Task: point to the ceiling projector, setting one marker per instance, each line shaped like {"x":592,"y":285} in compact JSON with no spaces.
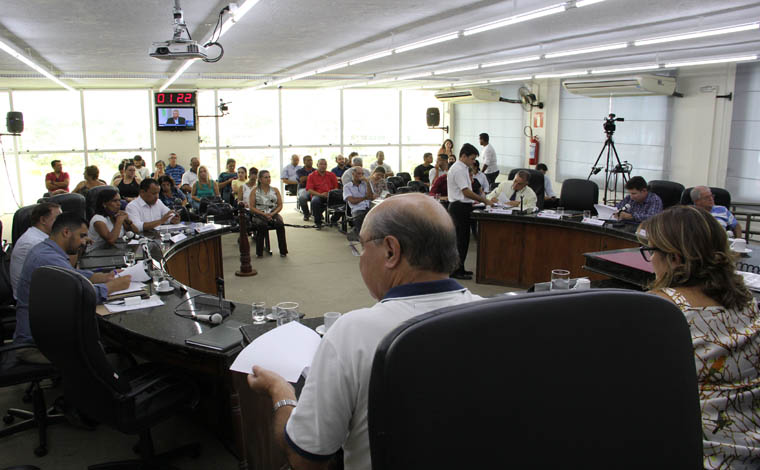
{"x":177,"y":49}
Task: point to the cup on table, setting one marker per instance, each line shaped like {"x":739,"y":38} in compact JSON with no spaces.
{"x":164,"y":285}
{"x":330,"y":318}
{"x":560,"y":211}
{"x":166,"y":236}
{"x":560,"y":279}
{"x":209,"y":219}
{"x":286,"y":312}
{"x":739,"y":245}
{"x":582,"y":283}
{"x":586,"y":214}
{"x":259,"y":312}
{"x":129,"y":258}
{"x":157,"y":276}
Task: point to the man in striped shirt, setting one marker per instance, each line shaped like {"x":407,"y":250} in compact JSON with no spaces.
{"x":702,"y":197}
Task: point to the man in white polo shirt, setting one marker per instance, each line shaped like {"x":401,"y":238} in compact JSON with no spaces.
{"x":146,"y":211}
{"x":490,"y":167}
{"x":357,"y":194}
{"x":407,"y":250}
{"x":461,"y":198}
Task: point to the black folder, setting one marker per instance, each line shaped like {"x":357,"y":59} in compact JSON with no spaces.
{"x":222,"y":337}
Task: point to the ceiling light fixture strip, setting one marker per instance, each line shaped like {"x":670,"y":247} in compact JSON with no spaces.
{"x":531,"y":15}
{"x":26,"y":60}
{"x":698,"y":34}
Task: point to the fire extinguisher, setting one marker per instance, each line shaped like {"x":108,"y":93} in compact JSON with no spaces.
{"x":533,"y":149}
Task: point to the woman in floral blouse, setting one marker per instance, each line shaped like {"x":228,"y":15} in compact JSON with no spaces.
{"x":695,"y":269}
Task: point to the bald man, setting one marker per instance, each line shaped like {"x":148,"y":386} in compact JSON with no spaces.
{"x":407,"y":248}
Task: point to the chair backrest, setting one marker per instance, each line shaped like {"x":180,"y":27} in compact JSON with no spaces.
{"x":538,"y":380}
{"x":391,"y":186}
{"x":720,"y":196}
{"x":91,"y":199}
{"x":22,"y":220}
{"x":536,"y":183}
{"x":6,"y":290}
{"x":396,"y":180}
{"x":64,"y":326}
{"x":335,"y":197}
{"x":578,"y":194}
{"x":418,"y":186}
{"x":405,"y":176}
{"x":669,"y":191}
{"x":71,"y":202}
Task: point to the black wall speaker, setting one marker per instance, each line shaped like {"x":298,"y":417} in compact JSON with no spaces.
{"x":14,"y":121}
{"x":433,"y":117}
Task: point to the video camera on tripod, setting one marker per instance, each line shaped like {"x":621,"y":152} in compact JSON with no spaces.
{"x":612,"y":167}
{"x":609,"y":123}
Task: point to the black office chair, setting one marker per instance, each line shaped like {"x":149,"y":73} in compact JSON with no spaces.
{"x":669,"y":191}
{"x":592,"y":379}
{"x":404,"y":190}
{"x":720,"y":196}
{"x":536,"y":183}
{"x":22,"y":220}
{"x":405,"y":176}
{"x":91,"y":199}
{"x":579,"y":195}
{"x":71,"y":202}
{"x":65,"y":326}
{"x":418,"y":186}
{"x":336,"y":207}
{"x":394,"y":182}
{"x":7,"y":302}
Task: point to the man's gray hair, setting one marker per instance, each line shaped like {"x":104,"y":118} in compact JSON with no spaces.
{"x":357,"y":161}
{"x":428,"y":243}
{"x":696,"y":193}
{"x":524,"y":175}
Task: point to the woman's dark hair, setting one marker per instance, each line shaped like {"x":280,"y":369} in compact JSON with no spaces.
{"x":92,"y":172}
{"x":253,"y":169}
{"x":261,"y":175}
{"x":104,"y":196}
{"x":165,"y":179}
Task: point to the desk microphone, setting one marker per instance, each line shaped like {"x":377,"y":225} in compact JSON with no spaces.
{"x":214,"y":319}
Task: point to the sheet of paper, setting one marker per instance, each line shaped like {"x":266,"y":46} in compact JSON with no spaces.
{"x":605,"y":212}
{"x":170,"y":227}
{"x":549,"y":215}
{"x":751,"y":280}
{"x":134,"y":242}
{"x":133,"y":287}
{"x":205,"y":228}
{"x":137,"y":272}
{"x":118,"y":306}
{"x":178,"y":237}
{"x":590,"y":221}
{"x":287,"y":350}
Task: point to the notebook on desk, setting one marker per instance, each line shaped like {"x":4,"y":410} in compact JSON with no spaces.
{"x":220,"y":338}
{"x":102,"y":262}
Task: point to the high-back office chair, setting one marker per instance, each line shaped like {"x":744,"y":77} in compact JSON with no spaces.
{"x":22,"y":220}
{"x":536,"y":183}
{"x":720,"y":196}
{"x":7,"y":302}
{"x":336,"y":207}
{"x":405,"y":176}
{"x":418,"y":186}
{"x":578,"y":194}
{"x":70,"y":202}
{"x":64,"y":326}
{"x":592,"y":379}
{"x":669,"y":191}
{"x":91,"y":199}
{"x":396,"y":181}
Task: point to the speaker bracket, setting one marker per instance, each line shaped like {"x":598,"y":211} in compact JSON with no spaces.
{"x":445,"y":128}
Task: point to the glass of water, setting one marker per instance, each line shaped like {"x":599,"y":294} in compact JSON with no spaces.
{"x":586,"y":214}
{"x":286,"y":312}
{"x":157,"y":276}
{"x":560,"y":279}
{"x":259,"y":312}
{"x":129,"y":258}
{"x":209,"y":219}
{"x":560,"y":211}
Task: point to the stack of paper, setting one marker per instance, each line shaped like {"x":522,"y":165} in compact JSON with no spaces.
{"x":137,"y":272}
{"x":605,"y":212}
{"x":116,"y":307}
{"x":751,"y":280}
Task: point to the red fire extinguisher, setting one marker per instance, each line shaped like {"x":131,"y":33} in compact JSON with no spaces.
{"x":533,"y":149}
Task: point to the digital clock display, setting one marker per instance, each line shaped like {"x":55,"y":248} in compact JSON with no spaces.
{"x":175,"y":98}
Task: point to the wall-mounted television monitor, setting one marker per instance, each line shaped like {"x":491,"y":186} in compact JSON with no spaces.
{"x":173,"y":118}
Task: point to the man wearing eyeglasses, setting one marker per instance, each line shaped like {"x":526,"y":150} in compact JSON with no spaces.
{"x":407,"y":247}
{"x":703,"y":197}
{"x":519,"y":191}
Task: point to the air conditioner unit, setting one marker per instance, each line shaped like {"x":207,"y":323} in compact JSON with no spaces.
{"x":471,"y":95}
{"x":639,"y":85}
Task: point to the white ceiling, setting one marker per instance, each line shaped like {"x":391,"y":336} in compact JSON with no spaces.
{"x":104,"y":43}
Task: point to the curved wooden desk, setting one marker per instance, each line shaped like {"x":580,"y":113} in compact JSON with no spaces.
{"x":521,"y":250}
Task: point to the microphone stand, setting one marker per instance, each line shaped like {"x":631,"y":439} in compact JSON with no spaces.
{"x":521,"y":211}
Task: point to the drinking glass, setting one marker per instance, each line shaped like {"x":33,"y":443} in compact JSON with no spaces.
{"x":209,"y":219}
{"x":157,"y":276}
{"x":286,"y":312}
{"x":560,"y":211}
{"x":586,"y":214}
{"x":129,"y":258}
{"x":560,"y":279}
{"x":259,"y":312}
{"x":330,"y":318}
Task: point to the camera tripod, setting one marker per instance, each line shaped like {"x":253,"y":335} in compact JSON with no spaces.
{"x":609,"y":147}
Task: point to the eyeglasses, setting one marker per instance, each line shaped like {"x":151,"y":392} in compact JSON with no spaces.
{"x":648,"y":251}
{"x":357,"y":247}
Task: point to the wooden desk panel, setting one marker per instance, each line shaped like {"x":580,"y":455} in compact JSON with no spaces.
{"x":198,"y":265}
{"x":546,"y":248}
{"x":500,"y":251}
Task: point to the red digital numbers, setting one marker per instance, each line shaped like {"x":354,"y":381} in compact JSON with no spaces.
{"x":175,"y":98}
{"x":161,"y":98}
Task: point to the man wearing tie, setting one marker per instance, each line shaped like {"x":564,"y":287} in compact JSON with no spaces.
{"x":176,"y":118}
{"x":514,"y":194}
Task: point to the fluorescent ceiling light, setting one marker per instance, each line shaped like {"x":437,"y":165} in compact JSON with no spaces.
{"x":414,"y":75}
{"x":511,"y":61}
{"x":687,"y":63}
{"x":281,"y":81}
{"x":374,"y":56}
{"x":510,"y":79}
{"x":236,"y":16}
{"x":382,"y":80}
{"x":456,"y":69}
{"x":633,"y":68}
{"x":469,"y":83}
{"x":19,"y":56}
{"x":587,"y":50}
{"x":561,"y":74}
{"x":332,"y":67}
{"x":426,"y":42}
{"x":697,"y":34}
{"x":585,"y":3}
{"x":303,"y":75}
{"x":176,"y":75}
{"x":531,"y":15}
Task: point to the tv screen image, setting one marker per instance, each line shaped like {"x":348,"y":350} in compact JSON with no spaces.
{"x":175,"y":118}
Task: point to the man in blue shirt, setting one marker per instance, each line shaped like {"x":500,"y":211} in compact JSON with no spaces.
{"x":68,"y":235}
{"x":341,"y":168}
{"x":174,"y":170}
{"x":640,"y":204}
{"x":702,"y":197}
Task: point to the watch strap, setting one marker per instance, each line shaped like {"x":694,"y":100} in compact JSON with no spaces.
{"x":282,"y":403}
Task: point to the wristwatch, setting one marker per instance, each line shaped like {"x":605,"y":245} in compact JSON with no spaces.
{"x":282,"y":403}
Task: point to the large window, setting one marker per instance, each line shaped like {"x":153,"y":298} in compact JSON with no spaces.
{"x":52,"y":120}
{"x":117,"y":120}
{"x":9,"y":193}
{"x":310,"y":117}
{"x":742,"y":179}
{"x":370,"y":117}
{"x":253,"y":120}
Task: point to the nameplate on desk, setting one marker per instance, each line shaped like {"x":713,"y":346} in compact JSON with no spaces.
{"x":204,"y":228}
{"x":178,"y":237}
{"x":549,"y":215}
{"x":598,"y":222}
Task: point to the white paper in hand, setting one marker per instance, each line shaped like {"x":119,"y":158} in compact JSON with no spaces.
{"x":605,"y":212}
{"x":286,"y":350}
{"x":137,"y":272}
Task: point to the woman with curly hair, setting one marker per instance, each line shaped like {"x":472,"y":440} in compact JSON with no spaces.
{"x":695,"y":270}
{"x":447,"y":148}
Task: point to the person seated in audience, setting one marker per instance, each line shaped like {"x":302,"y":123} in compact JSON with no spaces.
{"x":266,"y":205}
{"x":68,"y":236}
{"x":440,"y":169}
{"x":289,"y":175}
{"x":439,"y":186}
{"x":695,"y":269}
{"x":147,"y":211}
{"x":380,"y":161}
{"x":41,"y":223}
{"x":702,"y":197}
{"x":109,"y":223}
{"x":120,"y":171}
{"x":91,"y":180}
{"x":422,"y":171}
{"x":378,"y":183}
{"x":550,"y":197}
{"x":447,"y":149}
{"x":244,"y":191}
{"x":350,"y":159}
{"x":190,"y":177}
{"x":175,"y":170}
{"x":358,"y":193}
{"x":159,"y":171}
{"x":142,"y":170}
{"x":57,"y":181}
{"x":481,"y":178}
{"x":407,"y":249}
{"x":341,"y":168}
{"x":512,"y":195}
{"x":639,"y":204}
{"x":225,"y":180}
{"x":356,"y":164}
{"x":170,"y":195}
{"x":129,"y":184}
{"x":204,"y":186}
{"x":303,"y":195}
{"x":452,"y":159}
{"x":242,"y":177}
{"x":319,"y":185}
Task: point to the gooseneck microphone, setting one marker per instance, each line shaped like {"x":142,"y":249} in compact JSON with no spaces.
{"x":214,"y":319}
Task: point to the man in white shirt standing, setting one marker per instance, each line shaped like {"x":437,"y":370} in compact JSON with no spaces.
{"x":490,"y":168}
{"x":289,"y":177}
{"x":461,"y":197}
{"x":42,"y":217}
{"x":146,"y":211}
{"x":407,"y":250}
